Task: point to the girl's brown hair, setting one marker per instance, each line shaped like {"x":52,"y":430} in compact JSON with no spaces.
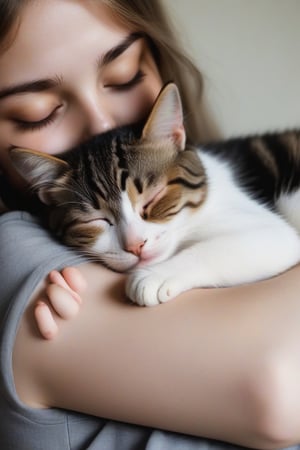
{"x":10,"y":11}
{"x":150,"y":18}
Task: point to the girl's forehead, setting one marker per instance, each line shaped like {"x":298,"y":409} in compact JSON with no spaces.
{"x":58,"y":32}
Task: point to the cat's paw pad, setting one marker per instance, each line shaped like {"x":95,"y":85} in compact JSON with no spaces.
{"x":143,"y":287}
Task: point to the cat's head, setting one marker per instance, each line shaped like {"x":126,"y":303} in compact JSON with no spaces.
{"x":123,"y":195}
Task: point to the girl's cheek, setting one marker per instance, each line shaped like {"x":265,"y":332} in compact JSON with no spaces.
{"x":51,"y":139}
{"x":50,"y":143}
{"x":54,"y":141}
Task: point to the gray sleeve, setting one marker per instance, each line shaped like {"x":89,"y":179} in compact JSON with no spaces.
{"x":25,"y":248}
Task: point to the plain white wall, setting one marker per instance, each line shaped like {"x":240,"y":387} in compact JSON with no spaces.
{"x":249,"y":52}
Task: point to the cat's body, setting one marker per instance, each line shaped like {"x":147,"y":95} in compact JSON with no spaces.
{"x":177,"y":217}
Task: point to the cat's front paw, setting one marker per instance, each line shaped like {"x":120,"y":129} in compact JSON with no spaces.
{"x":147,"y":287}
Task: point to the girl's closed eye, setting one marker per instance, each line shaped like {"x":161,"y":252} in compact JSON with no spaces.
{"x":29,"y":125}
{"x":123,"y":86}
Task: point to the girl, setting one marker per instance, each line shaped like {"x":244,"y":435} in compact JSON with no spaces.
{"x":220,"y":363}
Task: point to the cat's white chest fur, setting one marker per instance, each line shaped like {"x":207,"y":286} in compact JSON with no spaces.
{"x":231,"y":239}
{"x":288,"y":206}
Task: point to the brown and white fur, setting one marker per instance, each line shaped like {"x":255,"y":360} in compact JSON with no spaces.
{"x":175,"y":216}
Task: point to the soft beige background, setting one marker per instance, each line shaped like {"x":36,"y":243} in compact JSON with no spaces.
{"x":249,"y":51}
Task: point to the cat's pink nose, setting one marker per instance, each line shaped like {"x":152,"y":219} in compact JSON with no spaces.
{"x":136,"y":247}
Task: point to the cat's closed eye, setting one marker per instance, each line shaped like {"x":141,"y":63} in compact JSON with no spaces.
{"x":151,"y":201}
{"x":99,"y":220}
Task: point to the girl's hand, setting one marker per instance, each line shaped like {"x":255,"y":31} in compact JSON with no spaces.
{"x":62,"y":300}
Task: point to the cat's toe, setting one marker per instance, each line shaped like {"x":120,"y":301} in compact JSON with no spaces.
{"x":168,"y":290}
{"x":149,"y":295}
{"x":142,"y":288}
{"x":139,"y":289}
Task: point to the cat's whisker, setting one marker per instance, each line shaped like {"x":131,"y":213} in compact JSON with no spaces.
{"x":89,"y":254}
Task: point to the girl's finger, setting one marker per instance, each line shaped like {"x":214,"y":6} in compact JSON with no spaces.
{"x":45,"y":321}
{"x":57,"y":278}
{"x":74,"y":279}
{"x":62,"y":301}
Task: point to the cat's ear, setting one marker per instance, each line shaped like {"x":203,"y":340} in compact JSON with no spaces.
{"x":166,"y":118}
{"x":38,"y":169}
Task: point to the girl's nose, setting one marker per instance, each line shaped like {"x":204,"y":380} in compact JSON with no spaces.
{"x":97,"y":118}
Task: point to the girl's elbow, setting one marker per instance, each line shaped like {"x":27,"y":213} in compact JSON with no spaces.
{"x":274,"y":396}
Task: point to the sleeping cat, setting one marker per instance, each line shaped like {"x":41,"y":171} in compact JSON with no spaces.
{"x":175,"y":216}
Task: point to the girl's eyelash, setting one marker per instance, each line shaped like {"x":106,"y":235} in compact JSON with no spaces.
{"x":33,"y":126}
{"x":24,"y":125}
{"x":138,"y":77}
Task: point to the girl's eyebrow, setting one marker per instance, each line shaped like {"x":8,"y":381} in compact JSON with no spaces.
{"x":50,"y":83}
{"x":116,"y":51}
{"x":31,"y":86}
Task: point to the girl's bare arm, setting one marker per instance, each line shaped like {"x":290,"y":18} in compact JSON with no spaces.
{"x":220,"y":363}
